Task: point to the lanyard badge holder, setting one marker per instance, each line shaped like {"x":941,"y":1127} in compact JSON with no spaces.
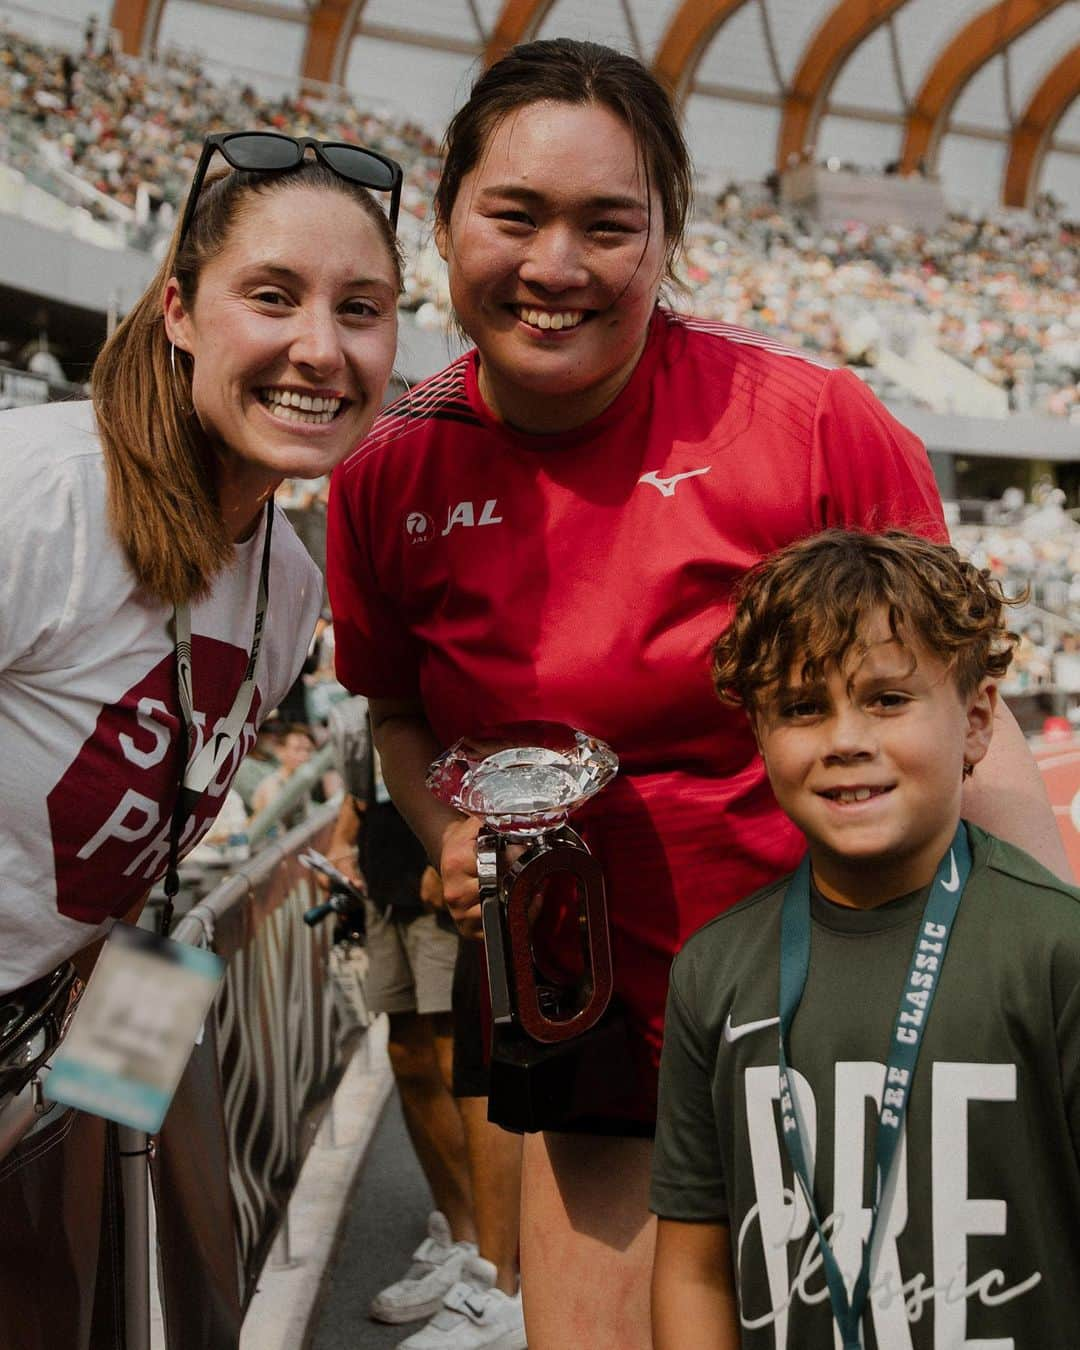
{"x":923,"y":977}
{"x":555,"y":1055}
{"x":144,"y":1005}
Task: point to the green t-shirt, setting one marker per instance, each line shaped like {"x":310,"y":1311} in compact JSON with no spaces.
{"x":979,"y":1235}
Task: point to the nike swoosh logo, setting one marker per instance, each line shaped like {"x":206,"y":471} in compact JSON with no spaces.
{"x":666,"y":486}
{"x":953,"y":883}
{"x":735,"y":1033}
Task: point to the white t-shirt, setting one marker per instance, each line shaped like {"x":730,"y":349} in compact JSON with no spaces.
{"x":88,"y":706}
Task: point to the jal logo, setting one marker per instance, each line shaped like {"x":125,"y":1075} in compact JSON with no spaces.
{"x":110,"y":811}
{"x":419,"y":527}
{"x":465,"y":514}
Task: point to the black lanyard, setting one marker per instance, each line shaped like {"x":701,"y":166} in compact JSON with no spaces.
{"x":195,"y":777}
{"x":922,"y":979}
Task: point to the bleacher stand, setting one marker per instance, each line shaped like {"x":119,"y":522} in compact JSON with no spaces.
{"x":998,"y":293}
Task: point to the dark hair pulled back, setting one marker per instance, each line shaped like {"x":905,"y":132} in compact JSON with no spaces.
{"x":563,"y":70}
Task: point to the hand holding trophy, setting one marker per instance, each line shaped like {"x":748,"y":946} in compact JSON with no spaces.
{"x":555,"y":1056}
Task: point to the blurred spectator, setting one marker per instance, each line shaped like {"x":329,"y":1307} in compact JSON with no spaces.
{"x":39,"y":359}
{"x":293,"y":747}
{"x":322,"y":689}
{"x":259,"y":763}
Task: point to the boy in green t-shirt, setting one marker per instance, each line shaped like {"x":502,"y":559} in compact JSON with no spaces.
{"x":870,"y":1085}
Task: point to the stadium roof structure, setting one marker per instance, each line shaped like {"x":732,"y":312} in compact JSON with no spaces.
{"x":982,"y":92}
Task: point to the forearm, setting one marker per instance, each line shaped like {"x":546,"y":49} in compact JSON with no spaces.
{"x":347,"y":826}
{"x":407,"y":746}
{"x":1006,"y":796}
{"x":346,"y":833}
{"x":693,"y":1297}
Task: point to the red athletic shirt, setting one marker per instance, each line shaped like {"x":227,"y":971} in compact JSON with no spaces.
{"x":583,"y":577}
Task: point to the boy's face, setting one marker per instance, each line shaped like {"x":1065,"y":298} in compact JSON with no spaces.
{"x":869,"y":764}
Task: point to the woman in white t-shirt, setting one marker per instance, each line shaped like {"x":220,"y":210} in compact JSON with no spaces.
{"x":142,"y":566}
{"x":261,"y":350}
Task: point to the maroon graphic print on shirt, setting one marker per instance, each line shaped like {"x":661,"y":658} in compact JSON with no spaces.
{"x":121,"y":786}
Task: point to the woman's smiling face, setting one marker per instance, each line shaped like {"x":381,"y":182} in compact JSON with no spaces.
{"x":556,"y":249}
{"x":292,"y":334}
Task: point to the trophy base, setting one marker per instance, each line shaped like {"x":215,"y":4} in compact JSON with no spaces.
{"x":547,"y":1087}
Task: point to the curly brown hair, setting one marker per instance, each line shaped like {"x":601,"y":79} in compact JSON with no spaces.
{"x":812,"y":603}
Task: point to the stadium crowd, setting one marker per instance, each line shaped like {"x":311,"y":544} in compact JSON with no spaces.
{"x":999,"y":294}
{"x":134,"y":129}
{"x":1033,"y":548}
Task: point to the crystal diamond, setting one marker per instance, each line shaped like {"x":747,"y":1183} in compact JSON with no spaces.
{"x":523,"y":778}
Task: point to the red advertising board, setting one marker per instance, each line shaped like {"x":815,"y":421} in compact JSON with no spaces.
{"x":1059,"y":762}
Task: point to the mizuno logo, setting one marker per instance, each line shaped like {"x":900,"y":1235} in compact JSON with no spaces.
{"x":666,"y":486}
{"x":953,"y":882}
{"x":735,"y":1033}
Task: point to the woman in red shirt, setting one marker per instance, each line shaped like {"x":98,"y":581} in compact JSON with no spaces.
{"x":550,"y":528}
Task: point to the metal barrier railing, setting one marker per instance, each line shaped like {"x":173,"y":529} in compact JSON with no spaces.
{"x":271,"y":1053}
{"x":273,"y":1050}
{"x":298,"y":786}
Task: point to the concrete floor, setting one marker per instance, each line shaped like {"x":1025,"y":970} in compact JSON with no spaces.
{"x":387,"y":1221}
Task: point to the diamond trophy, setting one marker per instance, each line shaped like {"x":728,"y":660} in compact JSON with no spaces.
{"x":555,"y":1056}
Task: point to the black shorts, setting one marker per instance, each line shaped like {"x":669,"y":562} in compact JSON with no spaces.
{"x":472,"y":1025}
{"x":470,"y":1021}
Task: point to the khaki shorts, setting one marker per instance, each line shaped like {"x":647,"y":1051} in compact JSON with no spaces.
{"x":412,"y":964}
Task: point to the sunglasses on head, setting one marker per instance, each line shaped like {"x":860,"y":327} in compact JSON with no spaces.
{"x":273,"y":152}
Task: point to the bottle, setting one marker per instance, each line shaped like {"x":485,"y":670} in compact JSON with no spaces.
{"x":238,"y":848}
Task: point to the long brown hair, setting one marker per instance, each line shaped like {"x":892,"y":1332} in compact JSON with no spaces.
{"x":159,"y":463}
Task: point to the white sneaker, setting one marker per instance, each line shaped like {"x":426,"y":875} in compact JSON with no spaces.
{"x":436,"y":1266}
{"x":474,"y":1315}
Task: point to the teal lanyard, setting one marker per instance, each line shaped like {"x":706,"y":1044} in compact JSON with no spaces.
{"x":922,"y":979}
